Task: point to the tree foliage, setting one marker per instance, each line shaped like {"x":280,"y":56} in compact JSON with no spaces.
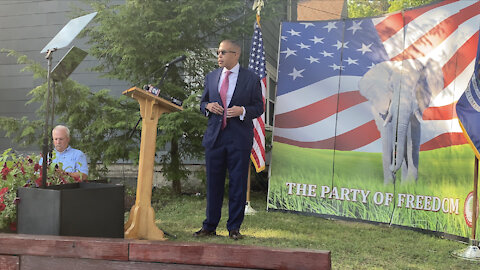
{"x":368,"y":8}
{"x":134,"y":41}
{"x":396,"y":5}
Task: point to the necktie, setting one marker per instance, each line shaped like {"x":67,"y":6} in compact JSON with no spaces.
{"x":223,"y":96}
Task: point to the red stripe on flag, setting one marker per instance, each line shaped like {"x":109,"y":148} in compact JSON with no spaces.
{"x":309,"y":114}
{"x":390,"y":26}
{"x":460,"y":60}
{"x":358,"y":137}
{"x":259,"y":135}
{"x":438,"y":34}
{"x":319,"y":110}
{"x":414,"y":13}
{"x":261,"y":123}
{"x":260,"y":146}
{"x":446,"y":112}
{"x":263,"y":81}
{"x":324,"y":144}
{"x":348,"y":141}
{"x":444,"y":140}
{"x":395,"y":22}
{"x":349,"y":99}
{"x":259,"y":161}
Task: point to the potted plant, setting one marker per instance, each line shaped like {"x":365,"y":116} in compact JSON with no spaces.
{"x":22,"y":171}
{"x":66,"y":206}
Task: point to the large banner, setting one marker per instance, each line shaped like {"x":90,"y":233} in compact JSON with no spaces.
{"x":365,"y":122}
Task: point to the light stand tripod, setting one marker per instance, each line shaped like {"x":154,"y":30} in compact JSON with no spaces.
{"x":46,"y":126}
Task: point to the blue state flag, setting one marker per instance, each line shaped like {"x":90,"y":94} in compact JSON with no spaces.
{"x":468,"y":109}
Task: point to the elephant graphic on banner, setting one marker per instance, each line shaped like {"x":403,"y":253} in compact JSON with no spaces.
{"x":399,"y":92}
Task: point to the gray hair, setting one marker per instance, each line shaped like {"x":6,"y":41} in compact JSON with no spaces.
{"x":59,"y":127}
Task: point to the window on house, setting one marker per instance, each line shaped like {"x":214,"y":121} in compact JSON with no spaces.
{"x":270,"y":102}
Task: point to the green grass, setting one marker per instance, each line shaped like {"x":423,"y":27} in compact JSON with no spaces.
{"x":443,"y":173}
{"x":353,"y":245}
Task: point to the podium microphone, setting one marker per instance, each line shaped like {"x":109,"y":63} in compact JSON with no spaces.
{"x":176,"y":60}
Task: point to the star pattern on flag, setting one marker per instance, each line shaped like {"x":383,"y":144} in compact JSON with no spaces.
{"x":303,"y":46}
{"x":355,"y":27}
{"x":307,"y":24}
{"x":351,"y":61}
{"x":296,"y":73}
{"x":257,"y":55}
{"x":316,"y":40}
{"x":336,"y":67}
{"x":330,"y":26}
{"x":312,"y":59}
{"x":289,"y":52}
{"x":365,"y":48}
{"x":294,"y":33}
{"x":339,"y":45}
{"x":326,"y":54}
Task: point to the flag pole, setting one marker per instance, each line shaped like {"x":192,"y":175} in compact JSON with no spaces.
{"x":257,"y":6}
{"x":248,"y":183}
{"x":248,"y":208}
{"x":472,"y":252}
{"x":473,"y":239}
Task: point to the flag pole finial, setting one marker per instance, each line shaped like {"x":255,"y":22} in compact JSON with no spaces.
{"x":258,"y":5}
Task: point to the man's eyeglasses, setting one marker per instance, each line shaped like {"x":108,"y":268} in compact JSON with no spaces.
{"x":224,"y":52}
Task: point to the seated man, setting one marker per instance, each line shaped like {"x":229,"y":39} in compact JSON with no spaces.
{"x":74,"y":161}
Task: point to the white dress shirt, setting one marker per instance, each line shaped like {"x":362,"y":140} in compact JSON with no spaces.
{"x":232,"y":82}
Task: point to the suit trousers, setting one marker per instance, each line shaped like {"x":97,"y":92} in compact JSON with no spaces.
{"x":221,"y":157}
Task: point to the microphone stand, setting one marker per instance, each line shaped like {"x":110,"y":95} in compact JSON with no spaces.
{"x":159,"y":85}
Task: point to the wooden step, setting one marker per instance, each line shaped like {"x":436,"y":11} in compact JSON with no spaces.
{"x":22,"y":252}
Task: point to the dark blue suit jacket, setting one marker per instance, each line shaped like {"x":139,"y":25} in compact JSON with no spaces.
{"x":248,"y":93}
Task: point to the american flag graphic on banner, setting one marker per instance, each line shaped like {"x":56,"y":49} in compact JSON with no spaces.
{"x":468,"y":108}
{"x":257,"y":65}
{"x":318,"y":101}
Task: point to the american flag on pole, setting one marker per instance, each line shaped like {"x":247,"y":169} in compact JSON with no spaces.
{"x":318,"y":102}
{"x":468,"y":109}
{"x":257,"y":65}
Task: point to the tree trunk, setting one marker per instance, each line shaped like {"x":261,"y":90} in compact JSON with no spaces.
{"x":175,"y":163}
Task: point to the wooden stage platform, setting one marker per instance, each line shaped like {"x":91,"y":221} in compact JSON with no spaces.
{"x":45,"y":252}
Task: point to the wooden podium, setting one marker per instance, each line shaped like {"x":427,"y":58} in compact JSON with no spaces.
{"x":141,"y":222}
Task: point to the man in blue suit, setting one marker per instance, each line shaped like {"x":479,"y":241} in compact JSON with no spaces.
{"x":232,"y":98}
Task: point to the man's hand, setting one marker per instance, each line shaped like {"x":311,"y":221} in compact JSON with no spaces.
{"x":78,"y":175}
{"x":215,"y":108}
{"x":234,"y":111}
